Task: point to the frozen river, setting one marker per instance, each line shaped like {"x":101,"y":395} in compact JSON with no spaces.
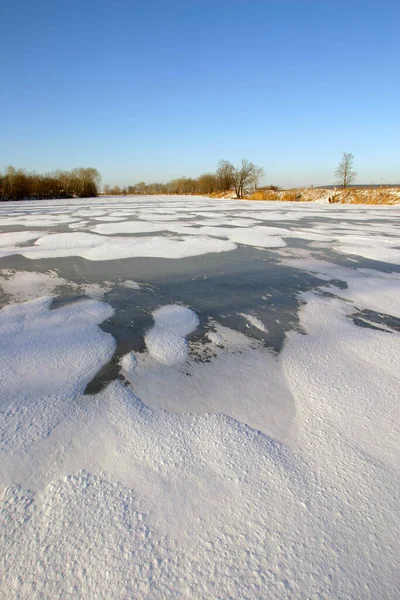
{"x":199,"y":399}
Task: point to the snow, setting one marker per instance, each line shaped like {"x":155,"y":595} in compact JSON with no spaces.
{"x":213,"y":467}
{"x":96,"y":247}
{"x":18,"y":237}
{"x":366,"y":288}
{"x":53,"y":352}
{"x":254,"y":321}
{"x":243,"y":381}
{"x":166,"y":340}
{"x":129,"y":283}
{"x":372,"y":251}
{"x":176,"y":318}
{"x":27,"y":285}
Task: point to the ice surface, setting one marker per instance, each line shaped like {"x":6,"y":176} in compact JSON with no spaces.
{"x":233,"y":472}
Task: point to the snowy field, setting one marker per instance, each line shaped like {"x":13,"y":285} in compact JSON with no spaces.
{"x":199,"y":399}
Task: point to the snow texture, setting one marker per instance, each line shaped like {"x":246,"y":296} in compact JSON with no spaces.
{"x":45,"y":351}
{"x":166,"y":340}
{"x":216,"y":468}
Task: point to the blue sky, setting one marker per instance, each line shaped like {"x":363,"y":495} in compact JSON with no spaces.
{"x":152,"y":90}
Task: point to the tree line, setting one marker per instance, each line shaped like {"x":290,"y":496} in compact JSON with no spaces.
{"x":242,"y":178}
{"x":18,"y":184}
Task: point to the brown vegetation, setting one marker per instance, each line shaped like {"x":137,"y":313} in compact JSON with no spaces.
{"x":369,"y":196}
{"x":18,"y":184}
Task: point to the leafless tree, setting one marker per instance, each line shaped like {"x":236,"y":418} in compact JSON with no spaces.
{"x":225,"y":175}
{"x":345,"y":173}
{"x":246,"y":177}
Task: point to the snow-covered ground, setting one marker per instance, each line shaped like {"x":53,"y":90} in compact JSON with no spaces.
{"x":243,"y":437}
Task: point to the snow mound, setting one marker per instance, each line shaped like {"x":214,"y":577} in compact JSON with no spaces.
{"x":166,"y":347}
{"x":177,"y":319}
{"x":243,"y":380}
{"x":45,"y":351}
{"x":165,"y":341}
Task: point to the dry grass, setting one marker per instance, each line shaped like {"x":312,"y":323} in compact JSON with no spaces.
{"x":291,"y":196}
{"x":282,"y":195}
{"x":371,"y":196}
{"x":263,"y":195}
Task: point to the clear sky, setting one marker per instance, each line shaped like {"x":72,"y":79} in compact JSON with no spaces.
{"x":155,"y":89}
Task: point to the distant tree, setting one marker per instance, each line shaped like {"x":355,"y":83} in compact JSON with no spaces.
{"x":225,"y":175}
{"x":140,"y":188}
{"x":207,"y":183}
{"x":115,"y":191}
{"x":246,"y":177}
{"x":107,"y":189}
{"x":345,"y":174}
{"x":18,"y":184}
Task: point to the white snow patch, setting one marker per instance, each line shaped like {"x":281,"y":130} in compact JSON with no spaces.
{"x":166,"y":346}
{"x":373,"y":252}
{"x":166,"y":340}
{"x":129,"y":283}
{"x":175,"y":318}
{"x":46,"y":351}
{"x":254,"y":321}
{"x":96,"y":290}
{"x":244,"y":381}
{"x":367,"y":288}
{"x":96,"y":247}
{"x":27,"y":285}
{"x":18,"y":237}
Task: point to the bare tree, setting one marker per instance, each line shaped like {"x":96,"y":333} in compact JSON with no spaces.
{"x":246,"y":177}
{"x":345,"y":173}
{"x":225,"y":175}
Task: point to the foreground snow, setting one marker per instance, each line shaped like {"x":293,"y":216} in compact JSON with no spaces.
{"x":213,"y":468}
